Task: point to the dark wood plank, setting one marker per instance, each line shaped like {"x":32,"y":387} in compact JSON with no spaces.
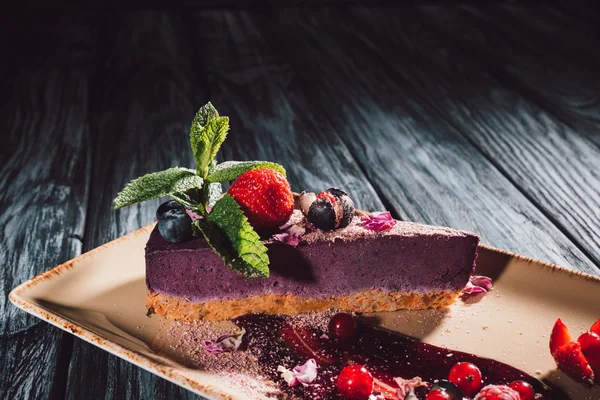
{"x":427,"y":170}
{"x":553,"y":164}
{"x":271,"y":118}
{"x":538,"y":69}
{"x":144,"y":98}
{"x":44,"y":185}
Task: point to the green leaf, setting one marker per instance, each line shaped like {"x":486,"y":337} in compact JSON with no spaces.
{"x":158,"y":184}
{"x":207,"y":133}
{"x":230,"y":170}
{"x":215,"y":190}
{"x":228,"y":232}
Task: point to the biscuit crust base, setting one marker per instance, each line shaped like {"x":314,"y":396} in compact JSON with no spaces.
{"x":180,"y":309}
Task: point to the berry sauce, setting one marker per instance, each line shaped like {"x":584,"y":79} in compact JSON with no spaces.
{"x":385,"y":354}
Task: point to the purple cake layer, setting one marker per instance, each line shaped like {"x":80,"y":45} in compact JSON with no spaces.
{"x":409,"y":258}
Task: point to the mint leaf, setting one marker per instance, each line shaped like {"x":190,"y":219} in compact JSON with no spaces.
{"x":206,"y":113}
{"x":206,"y":140}
{"x":230,"y":170}
{"x":228,"y":232}
{"x":158,"y":184}
{"x":215,"y":190}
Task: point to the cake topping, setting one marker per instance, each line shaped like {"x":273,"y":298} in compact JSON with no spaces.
{"x":331,"y":209}
{"x":228,"y":342}
{"x":378,"y":221}
{"x":175,"y":225}
{"x":166,"y":206}
{"x":305,"y":200}
{"x":291,"y":235}
{"x":265,"y":197}
{"x":262,"y":190}
{"x":303,"y":374}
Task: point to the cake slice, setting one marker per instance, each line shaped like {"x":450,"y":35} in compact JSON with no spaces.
{"x":408,"y":266}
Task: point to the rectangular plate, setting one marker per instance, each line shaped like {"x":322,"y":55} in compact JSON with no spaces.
{"x":100,"y":297}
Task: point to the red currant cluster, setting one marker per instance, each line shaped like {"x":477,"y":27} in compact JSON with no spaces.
{"x":465,"y":379}
{"x":355,"y":382}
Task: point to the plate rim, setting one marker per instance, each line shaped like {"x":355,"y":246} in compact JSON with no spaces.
{"x":169,"y":373}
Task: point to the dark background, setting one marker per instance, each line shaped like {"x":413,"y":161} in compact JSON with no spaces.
{"x":481,"y":116}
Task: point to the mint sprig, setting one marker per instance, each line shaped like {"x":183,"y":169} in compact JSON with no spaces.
{"x":225,"y":227}
{"x":158,"y":184}
{"x":230,"y":170}
{"x":228,"y":232}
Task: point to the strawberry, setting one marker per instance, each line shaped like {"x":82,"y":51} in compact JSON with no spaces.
{"x":306,"y":343}
{"x":265,"y":198}
{"x":571,"y":361}
{"x":596,"y":328}
{"x":590,"y":346}
{"x":559,"y":337}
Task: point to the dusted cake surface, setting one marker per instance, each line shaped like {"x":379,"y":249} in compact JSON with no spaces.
{"x":407,"y":258}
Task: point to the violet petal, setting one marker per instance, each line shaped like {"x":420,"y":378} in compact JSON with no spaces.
{"x":291,"y":236}
{"x":304,"y":374}
{"x":406,"y":386}
{"x":228,"y":342}
{"x":378,"y":221}
{"x":194,"y":216}
{"x":482,"y":281}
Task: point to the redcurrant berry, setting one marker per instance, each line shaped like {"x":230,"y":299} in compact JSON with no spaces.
{"x":524,"y":389}
{"x":467,"y":377}
{"x":342,"y":326}
{"x":438,"y":395}
{"x":355,"y":382}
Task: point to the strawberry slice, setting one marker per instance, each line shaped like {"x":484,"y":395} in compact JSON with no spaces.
{"x":571,"y":361}
{"x":306,"y":343}
{"x":590,"y":346}
{"x":596,"y":328}
{"x":559,"y":337}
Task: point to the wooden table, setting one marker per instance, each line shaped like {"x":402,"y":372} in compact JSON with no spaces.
{"x":485,"y":118}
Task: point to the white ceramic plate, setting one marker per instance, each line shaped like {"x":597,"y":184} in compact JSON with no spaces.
{"x":100,"y":297}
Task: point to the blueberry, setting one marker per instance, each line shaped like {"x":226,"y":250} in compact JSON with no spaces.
{"x":322,"y":215}
{"x":175,"y":226}
{"x":166,"y":206}
{"x":347,"y":206}
{"x":449,"y":387}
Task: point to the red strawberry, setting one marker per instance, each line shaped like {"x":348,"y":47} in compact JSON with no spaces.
{"x":571,"y":361}
{"x":590,"y":346}
{"x":596,"y":328}
{"x":306,"y":343}
{"x":560,"y":336}
{"x":265,"y":197}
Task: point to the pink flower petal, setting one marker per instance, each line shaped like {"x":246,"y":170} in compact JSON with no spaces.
{"x":378,"y":221}
{"x":291,"y":236}
{"x":303,"y":374}
{"x":482,"y":281}
{"x":193,"y":215}
{"x":407,"y":385}
{"x":229,"y":342}
{"x":473,"y":290}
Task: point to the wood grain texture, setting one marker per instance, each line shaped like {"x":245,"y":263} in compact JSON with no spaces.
{"x":271,"y":117}
{"x":144,"y":98}
{"x":540,"y":68}
{"x":549,"y":161}
{"x":426,"y":169}
{"x":44,"y":170}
